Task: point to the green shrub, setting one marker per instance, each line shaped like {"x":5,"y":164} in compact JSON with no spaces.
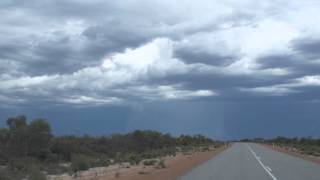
{"x":5,"y":175}
{"x":35,"y":173}
{"x":55,"y":168}
{"x":101,"y":161}
{"x":52,"y":158}
{"x":80,"y":162}
{"x":21,"y":164}
{"x":150,"y":162}
{"x":134,"y":159}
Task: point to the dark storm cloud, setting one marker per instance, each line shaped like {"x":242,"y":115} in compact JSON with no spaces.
{"x":298,"y":64}
{"x":63,"y":54}
{"x":194,"y":56}
{"x":11,"y":50}
{"x":307,"y":47}
{"x":273,"y":118}
{"x":115,"y":36}
{"x":68,"y":37}
{"x":273,"y":61}
{"x":218,"y":67}
{"x":301,"y":61}
{"x":46,"y":57}
{"x":45,"y":45}
{"x":217,"y":81}
{"x":108,"y":27}
{"x":57,"y":8}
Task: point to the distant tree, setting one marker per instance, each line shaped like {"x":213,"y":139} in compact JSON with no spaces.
{"x":184,"y":140}
{"x":4,"y":134}
{"x":39,"y":137}
{"x":18,"y":135}
{"x":23,"y":139}
{"x":17,"y":123}
{"x":65,"y":146}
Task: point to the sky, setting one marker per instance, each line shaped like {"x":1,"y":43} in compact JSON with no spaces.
{"x":227,"y":69}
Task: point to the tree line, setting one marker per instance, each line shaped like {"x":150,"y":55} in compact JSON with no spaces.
{"x":30,"y":148}
{"x":303,"y":145}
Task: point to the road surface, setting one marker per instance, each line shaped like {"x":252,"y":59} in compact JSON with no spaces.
{"x":248,"y":161}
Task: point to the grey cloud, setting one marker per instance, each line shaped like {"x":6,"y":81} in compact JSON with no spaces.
{"x":58,"y":8}
{"x":298,"y":64}
{"x":66,"y":54}
{"x":115,"y":36}
{"x":301,"y":61}
{"x":11,"y":50}
{"x":190,"y":56}
{"x":277,"y":60}
{"x":46,"y":46}
{"x":227,"y":86}
{"x":232,"y":65}
{"x":46,"y":57}
{"x":309,"y":48}
{"x":112,"y":27}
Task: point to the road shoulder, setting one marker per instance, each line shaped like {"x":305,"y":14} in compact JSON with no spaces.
{"x":293,"y":153}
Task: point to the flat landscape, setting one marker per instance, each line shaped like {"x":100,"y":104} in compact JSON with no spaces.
{"x":159,"y":90}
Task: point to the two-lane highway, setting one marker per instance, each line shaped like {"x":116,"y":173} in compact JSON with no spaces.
{"x":248,"y":161}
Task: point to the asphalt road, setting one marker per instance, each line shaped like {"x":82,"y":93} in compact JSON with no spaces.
{"x":247,"y":161}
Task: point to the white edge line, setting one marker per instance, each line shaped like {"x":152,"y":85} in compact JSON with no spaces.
{"x":269,"y":168}
{"x":266,"y":168}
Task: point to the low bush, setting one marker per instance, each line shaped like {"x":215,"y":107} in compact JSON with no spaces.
{"x":35,"y":173}
{"x":150,"y":162}
{"x":134,"y":159}
{"x":55,"y":168}
{"x":205,"y":148}
{"x":161,"y":164}
{"x":5,"y":175}
{"x":80,"y":162}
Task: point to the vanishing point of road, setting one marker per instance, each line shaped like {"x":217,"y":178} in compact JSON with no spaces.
{"x":248,"y":161}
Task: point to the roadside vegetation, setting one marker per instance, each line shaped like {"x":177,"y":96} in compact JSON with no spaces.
{"x":308,"y":146}
{"x":29,"y":149}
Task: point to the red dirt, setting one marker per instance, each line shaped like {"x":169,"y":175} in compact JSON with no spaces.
{"x":176,"y":166}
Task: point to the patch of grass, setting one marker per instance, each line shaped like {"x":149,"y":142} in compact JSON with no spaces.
{"x":150,"y":162}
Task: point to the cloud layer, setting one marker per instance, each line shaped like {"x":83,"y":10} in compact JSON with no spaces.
{"x":108,"y":53}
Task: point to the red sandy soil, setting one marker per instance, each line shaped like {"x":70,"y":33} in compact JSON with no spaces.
{"x":314,"y":159}
{"x":175,"y":167}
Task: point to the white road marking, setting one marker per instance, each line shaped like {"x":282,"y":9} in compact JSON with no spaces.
{"x":266,"y":168}
{"x":269,"y":168}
